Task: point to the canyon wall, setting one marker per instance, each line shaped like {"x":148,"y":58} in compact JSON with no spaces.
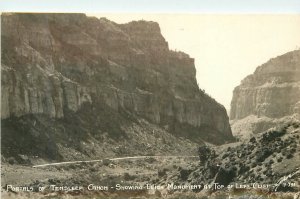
{"x":57,"y":63}
{"x":270,"y":95}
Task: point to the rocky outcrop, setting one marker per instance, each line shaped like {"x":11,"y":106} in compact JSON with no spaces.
{"x":271,"y":92}
{"x":53,"y":63}
{"x":264,"y":159}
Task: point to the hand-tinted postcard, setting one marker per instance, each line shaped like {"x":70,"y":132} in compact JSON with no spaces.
{"x":150,"y":106}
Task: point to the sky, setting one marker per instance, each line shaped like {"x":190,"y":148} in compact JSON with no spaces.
{"x":227,"y":38}
{"x":153,"y":6}
{"x":226,"y":47}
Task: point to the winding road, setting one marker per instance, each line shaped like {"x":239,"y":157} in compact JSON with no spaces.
{"x":111,"y":159}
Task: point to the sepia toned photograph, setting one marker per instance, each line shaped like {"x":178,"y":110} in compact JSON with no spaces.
{"x":143,"y":105}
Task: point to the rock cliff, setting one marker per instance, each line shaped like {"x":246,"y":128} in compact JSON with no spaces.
{"x":270,"y":95}
{"x":54,"y":64}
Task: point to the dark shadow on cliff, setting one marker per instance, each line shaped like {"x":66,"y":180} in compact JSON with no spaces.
{"x":39,"y":135}
{"x":199,"y":135}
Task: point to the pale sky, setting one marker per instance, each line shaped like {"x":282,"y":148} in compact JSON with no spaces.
{"x":226,"y":48}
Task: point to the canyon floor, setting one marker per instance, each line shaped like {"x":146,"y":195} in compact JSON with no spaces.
{"x":264,"y":166}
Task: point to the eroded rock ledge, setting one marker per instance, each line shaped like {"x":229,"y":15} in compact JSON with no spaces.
{"x":269,"y":96}
{"x":57,"y":62}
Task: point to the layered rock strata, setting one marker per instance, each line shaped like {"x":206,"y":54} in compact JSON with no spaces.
{"x":53,"y":63}
{"x":271,"y":93}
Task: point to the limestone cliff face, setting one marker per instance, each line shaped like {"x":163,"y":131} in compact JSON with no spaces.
{"x":53,"y":63}
{"x":272,"y":91}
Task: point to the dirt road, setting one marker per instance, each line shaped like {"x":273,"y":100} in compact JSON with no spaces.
{"x":111,"y":159}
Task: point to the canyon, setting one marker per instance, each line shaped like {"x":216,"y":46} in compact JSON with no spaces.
{"x":87,"y":102}
{"x":70,"y":81}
